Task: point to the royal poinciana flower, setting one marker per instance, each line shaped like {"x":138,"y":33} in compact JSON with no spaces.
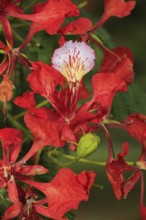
{"x":10,"y":170}
{"x":115,"y":8}
{"x":27,"y":206}
{"x":49,"y":16}
{"x":64,"y":192}
{"x":83,"y":26}
{"x":136,"y":127}
{"x":115,"y":170}
{"x":68,"y":121}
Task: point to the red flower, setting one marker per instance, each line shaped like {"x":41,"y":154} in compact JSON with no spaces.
{"x":69,"y":122}
{"x":136,"y":127}
{"x":43,"y":80}
{"x":115,"y":74}
{"x":115,"y":169}
{"x":12,"y":55}
{"x":79,"y":26}
{"x":49,"y":16}
{"x":27,"y":207}
{"x":65,"y":191}
{"x":10,"y":170}
{"x":116,"y":8}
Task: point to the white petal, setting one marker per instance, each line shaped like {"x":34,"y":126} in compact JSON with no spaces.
{"x":74,"y":60}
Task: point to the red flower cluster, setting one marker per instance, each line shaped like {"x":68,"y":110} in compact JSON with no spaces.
{"x":66,"y":120}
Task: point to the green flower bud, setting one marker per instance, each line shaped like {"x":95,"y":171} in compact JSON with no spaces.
{"x":87,"y":144}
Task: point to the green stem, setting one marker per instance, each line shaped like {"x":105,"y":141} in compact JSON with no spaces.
{"x":18,"y":36}
{"x":18,"y":125}
{"x":56,"y":161}
{"x":95,"y":39}
{"x":90,"y":161}
{"x":19,"y":25}
{"x":19,"y":115}
{"x":23,"y":113}
{"x":5,"y":200}
{"x":84,"y":160}
{"x":82,"y":4}
{"x":98,"y":186}
{"x":38,"y":156}
{"x":42,"y":103}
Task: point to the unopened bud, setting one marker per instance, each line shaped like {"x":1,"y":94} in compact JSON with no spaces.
{"x":87,"y":144}
{"x":6,"y":88}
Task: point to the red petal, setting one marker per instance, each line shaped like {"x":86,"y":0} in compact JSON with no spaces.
{"x":68,"y":134}
{"x":3,"y":66}
{"x":26,"y":101}
{"x":118,"y":8}
{"x":7,"y":29}
{"x":118,"y":73}
{"x":13,"y":211}
{"x":45,"y":126}
{"x":80,"y":26}
{"x":11,"y":142}
{"x":65,"y":191}
{"x":125,"y":150}
{"x":48,"y":15}
{"x":136,"y":126}
{"x":105,"y":87}
{"x":42,"y":210}
{"x":12,"y":190}
{"x":4,"y":47}
{"x":115,"y":172}
{"x":120,"y":62}
{"x":130,"y":183}
{"x":44,"y":78}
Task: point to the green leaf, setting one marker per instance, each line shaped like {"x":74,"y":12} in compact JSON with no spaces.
{"x":129,"y":102}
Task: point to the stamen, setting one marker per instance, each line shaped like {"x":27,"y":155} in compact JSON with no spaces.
{"x":5,"y":172}
{"x":74,"y":60}
{"x":12,"y":178}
